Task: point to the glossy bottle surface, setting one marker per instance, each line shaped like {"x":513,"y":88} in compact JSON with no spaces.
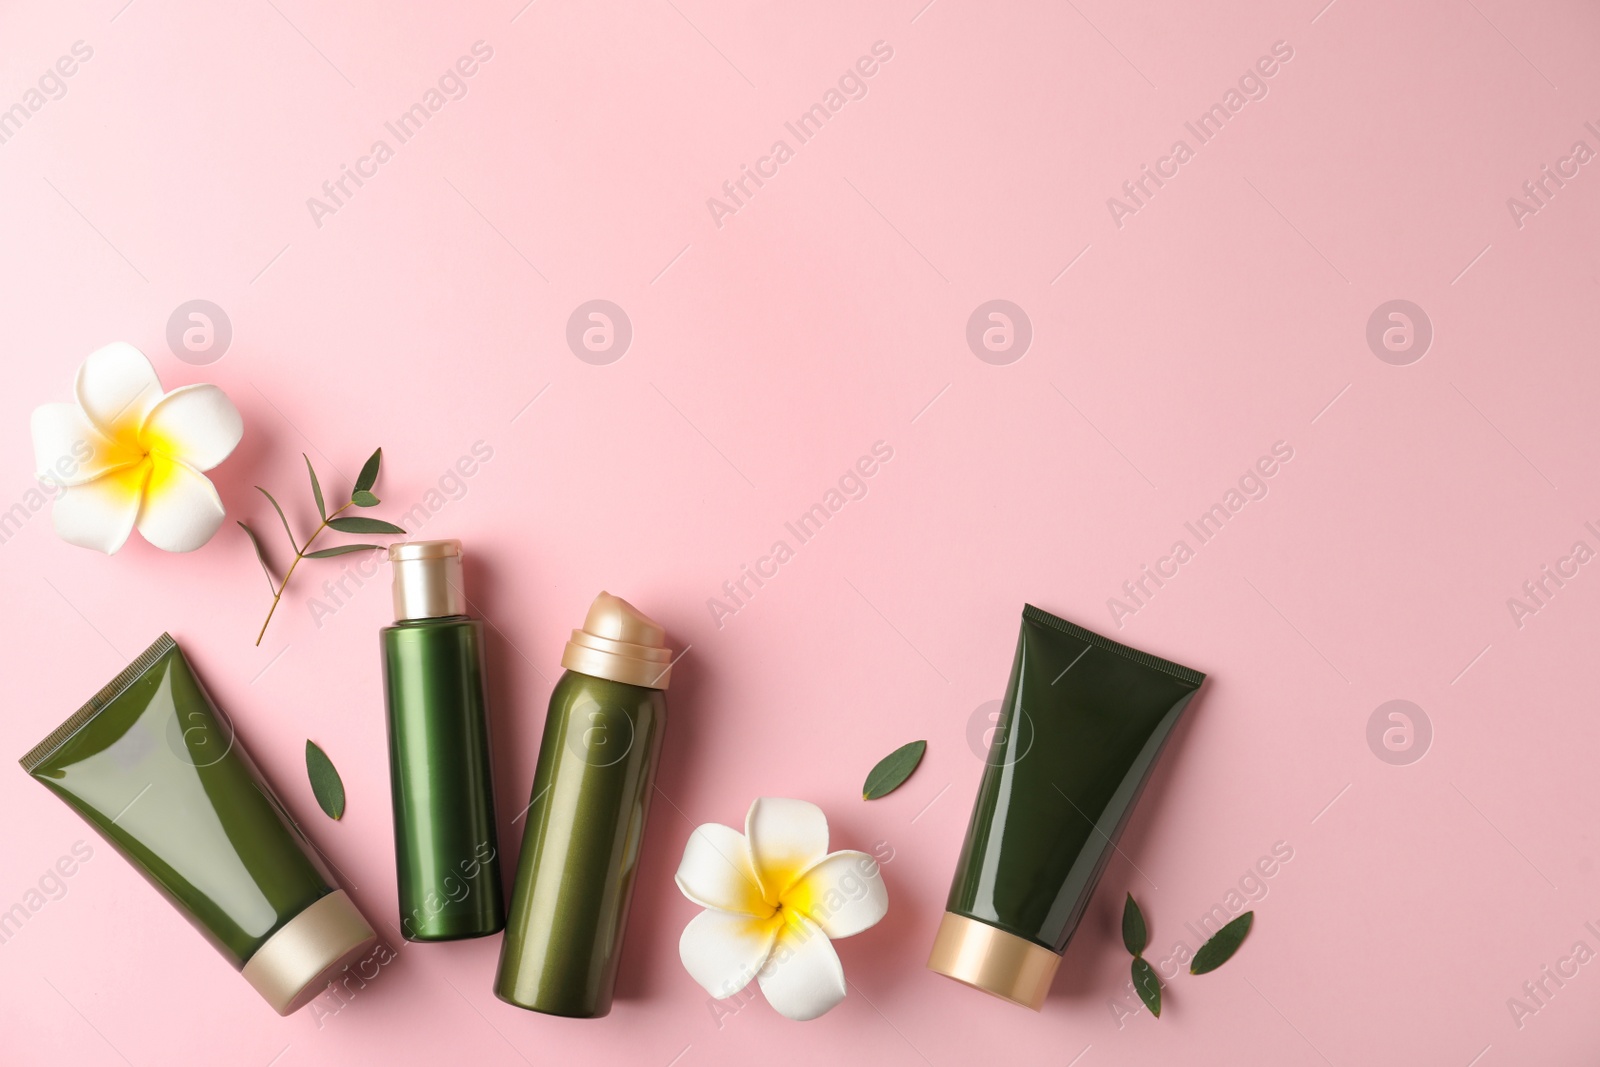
{"x":159,"y":772}
{"x":1082,"y":724}
{"x":446,"y":851}
{"x":580,"y":847}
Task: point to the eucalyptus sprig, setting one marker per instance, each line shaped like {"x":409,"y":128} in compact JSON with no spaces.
{"x":1213,"y":954}
{"x":361,"y":496}
{"x":1134,"y":939}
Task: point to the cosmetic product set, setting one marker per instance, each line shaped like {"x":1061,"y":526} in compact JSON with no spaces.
{"x":157,"y":769}
{"x":154,"y":766}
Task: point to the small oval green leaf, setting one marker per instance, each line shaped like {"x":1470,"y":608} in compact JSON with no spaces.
{"x":892,"y":771}
{"x":1223,"y":944}
{"x":362,"y":524}
{"x":324,"y":553}
{"x":325,"y":781}
{"x":361,"y":498}
{"x":1133,"y":931}
{"x":369,"y":473}
{"x":316,"y":486}
{"x":1147,"y":985}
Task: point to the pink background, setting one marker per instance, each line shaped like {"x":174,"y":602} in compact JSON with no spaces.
{"x":828,"y":313}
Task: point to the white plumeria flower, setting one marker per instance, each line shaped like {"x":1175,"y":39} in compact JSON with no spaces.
{"x":774,"y":898}
{"x":126,"y":454}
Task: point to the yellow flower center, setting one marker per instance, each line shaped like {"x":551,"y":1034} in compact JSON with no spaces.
{"x":787,"y":906}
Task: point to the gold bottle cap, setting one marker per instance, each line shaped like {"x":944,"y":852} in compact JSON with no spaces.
{"x":620,"y":643}
{"x":427,"y":579}
{"x":988,"y":958}
{"x":297,"y":963}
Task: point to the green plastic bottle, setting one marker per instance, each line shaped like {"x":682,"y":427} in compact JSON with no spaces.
{"x":446,"y":854}
{"x":586,"y":817}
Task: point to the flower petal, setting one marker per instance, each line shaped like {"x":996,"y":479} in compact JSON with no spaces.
{"x":68,"y":449}
{"x":116,"y":386}
{"x":723,"y":952}
{"x":843,"y":894}
{"x":197,"y":424}
{"x":786,"y":837}
{"x":803,"y":977}
{"x":716,"y":871}
{"x":181,"y":508}
{"x":100,"y":514}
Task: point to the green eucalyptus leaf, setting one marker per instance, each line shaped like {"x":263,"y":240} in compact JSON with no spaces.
{"x":1223,"y":944}
{"x":325,"y":781}
{"x":362,"y":498}
{"x":281,"y":517}
{"x":316,"y":486}
{"x":369,"y":472}
{"x":892,"y":771}
{"x":261,"y":555}
{"x":324,"y":553}
{"x":362,"y":524}
{"x":1133,"y":932}
{"x":1147,"y":985}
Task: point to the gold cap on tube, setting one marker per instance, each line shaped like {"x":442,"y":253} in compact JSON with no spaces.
{"x":427,"y":579}
{"x":297,"y":963}
{"x":621,"y":643}
{"x":988,"y":958}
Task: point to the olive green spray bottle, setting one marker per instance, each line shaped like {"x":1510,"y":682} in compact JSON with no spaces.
{"x":446,"y":854}
{"x":591,"y":793}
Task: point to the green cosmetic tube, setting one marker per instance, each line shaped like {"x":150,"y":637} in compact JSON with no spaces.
{"x":155,"y":767}
{"x":447,"y":861}
{"x":586,"y":818}
{"x":1082,"y":724}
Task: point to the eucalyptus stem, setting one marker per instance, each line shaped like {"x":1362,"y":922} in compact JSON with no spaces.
{"x":361,"y":496}
{"x":299,"y":554}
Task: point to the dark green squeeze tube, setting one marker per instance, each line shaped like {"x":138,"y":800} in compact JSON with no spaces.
{"x":152,"y":765}
{"x":1083,"y":722}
